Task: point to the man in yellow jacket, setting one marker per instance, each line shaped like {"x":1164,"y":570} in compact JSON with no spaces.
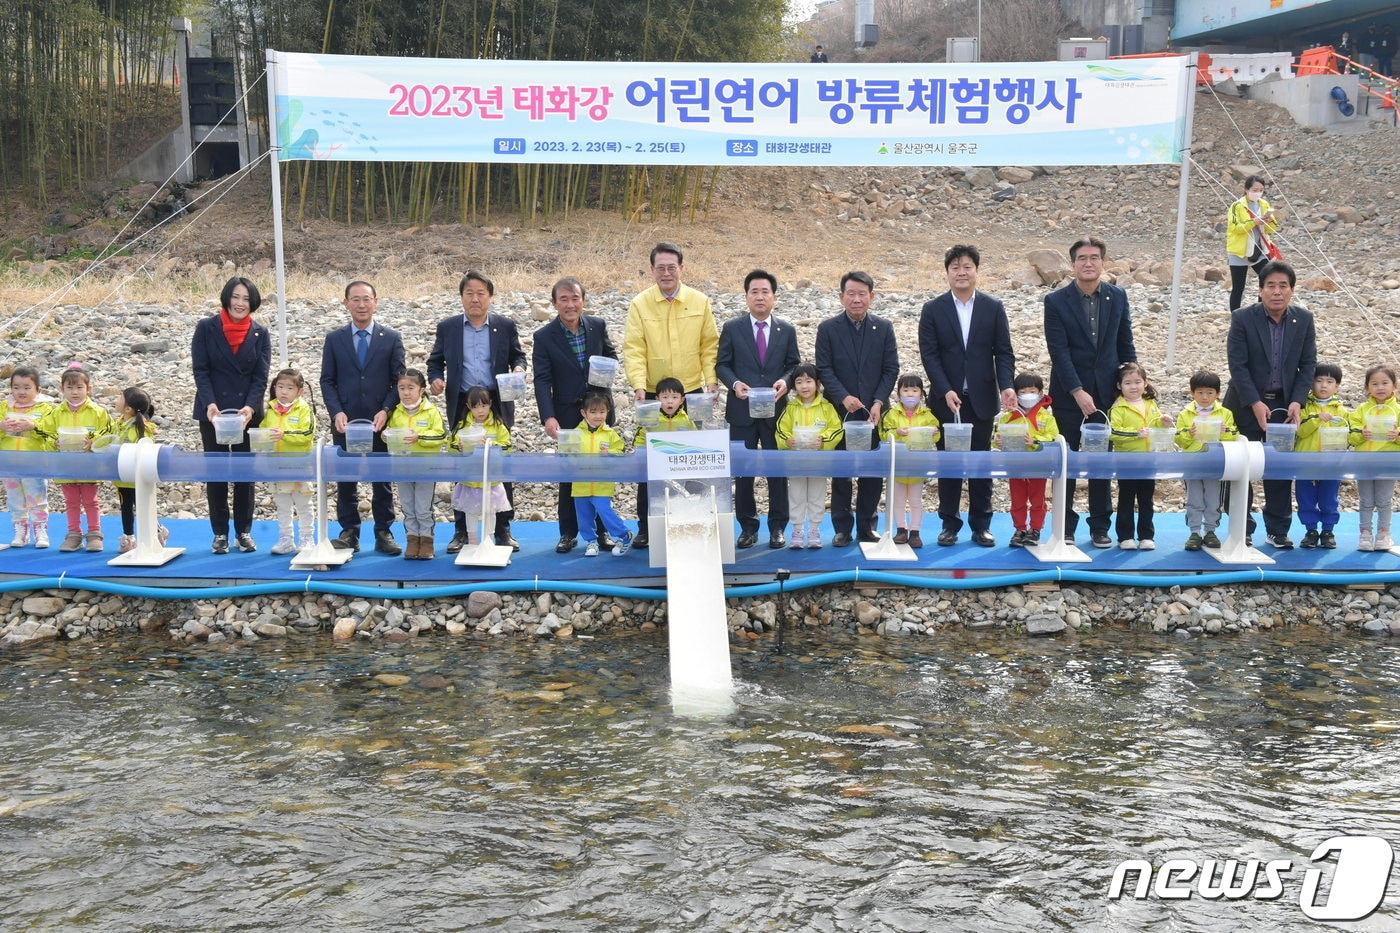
{"x":670,"y":331}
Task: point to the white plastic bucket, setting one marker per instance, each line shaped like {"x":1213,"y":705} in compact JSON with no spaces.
{"x":858,"y":434}
{"x":700,"y":406}
{"x":570,"y":441}
{"x":920,"y":437}
{"x":359,"y":437}
{"x":228,"y":427}
{"x":396,"y":439}
{"x":260,"y":440}
{"x":1161,"y":440}
{"x":1281,"y":437}
{"x":806,"y":437}
{"x":28,"y":423}
{"x":72,"y":440}
{"x":1014,"y":436}
{"x":763,"y":403}
{"x":1380,"y":426}
{"x":510,"y":386}
{"x":957,"y":436}
{"x":1333,"y":436}
{"x":601,"y":371}
{"x":1208,"y":430}
{"x":649,"y":414}
{"x":471,"y":437}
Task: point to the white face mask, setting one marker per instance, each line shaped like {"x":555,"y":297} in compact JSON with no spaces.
{"x":1254,"y":195}
{"x":1028,"y":399}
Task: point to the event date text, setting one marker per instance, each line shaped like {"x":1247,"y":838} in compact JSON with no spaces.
{"x":552,"y":145}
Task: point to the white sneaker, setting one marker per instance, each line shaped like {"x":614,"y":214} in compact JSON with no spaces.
{"x":1128,"y":544}
{"x":126,"y":543}
{"x":162,"y":534}
{"x":1383,"y":542}
{"x":41,"y":535}
{"x":305,"y":543}
{"x":798,"y":540}
{"x":284,"y":545}
{"x":1147,"y":544}
{"x":1365,"y":543}
{"x":21,"y":535}
{"x":591,"y":550}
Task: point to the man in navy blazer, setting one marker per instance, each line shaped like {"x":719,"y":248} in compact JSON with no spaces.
{"x":1262,"y":381}
{"x":1089,"y":333}
{"x":741,"y":366}
{"x":965,"y":345}
{"x":560,"y":355}
{"x":858,"y":362}
{"x":469,"y":349}
{"x":354,"y":391}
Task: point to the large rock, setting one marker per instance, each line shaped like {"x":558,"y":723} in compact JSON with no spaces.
{"x":1049,"y":265}
{"x":29,"y":633}
{"x":1015,"y":174}
{"x":1045,"y":624}
{"x":481,"y":603}
{"x":43,"y":606}
{"x":980,"y":177}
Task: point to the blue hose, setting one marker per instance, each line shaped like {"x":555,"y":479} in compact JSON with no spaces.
{"x":449,"y":591}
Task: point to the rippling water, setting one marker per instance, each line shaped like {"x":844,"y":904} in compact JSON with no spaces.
{"x":971,"y":782}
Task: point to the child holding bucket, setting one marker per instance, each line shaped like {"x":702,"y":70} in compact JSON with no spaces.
{"x":77,"y":414}
{"x":907,"y":496}
{"x":477,"y":426}
{"x":1373,"y":427}
{"x":1132,"y":414}
{"x":1028,"y":492}
{"x":809,"y":422}
{"x":425,"y":433}
{"x":292,"y":428}
{"x":1194,"y":430}
{"x":28,"y":496}
{"x":1317,"y":498}
{"x":593,"y":501}
{"x":670,"y":395}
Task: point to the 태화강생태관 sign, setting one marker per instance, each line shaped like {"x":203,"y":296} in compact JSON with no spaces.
{"x":363,"y":108}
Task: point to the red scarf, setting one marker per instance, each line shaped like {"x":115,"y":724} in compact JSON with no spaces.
{"x":235,"y":331}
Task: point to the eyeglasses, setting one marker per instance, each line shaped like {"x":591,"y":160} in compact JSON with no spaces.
{"x":665,"y":268}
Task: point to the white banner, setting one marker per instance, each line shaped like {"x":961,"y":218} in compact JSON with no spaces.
{"x":359,"y":108}
{"x":682,"y":455}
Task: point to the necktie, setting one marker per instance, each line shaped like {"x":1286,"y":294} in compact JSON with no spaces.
{"x":362,"y":346}
{"x":762,"y":342}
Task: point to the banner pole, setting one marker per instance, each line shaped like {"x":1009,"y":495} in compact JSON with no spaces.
{"x":274,"y":150}
{"x":1189,"y":78}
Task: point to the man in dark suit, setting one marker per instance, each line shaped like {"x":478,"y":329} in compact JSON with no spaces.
{"x":858,"y":362}
{"x":1271,"y":350}
{"x":469,"y":349}
{"x":965,"y":345}
{"x":1089,"y":333}
{"x":759,"y":351}
{"x":359,"y":363}
{"x":560,"y":355}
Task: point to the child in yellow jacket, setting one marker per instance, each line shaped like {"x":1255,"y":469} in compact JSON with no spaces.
{"x":1375,"y":494}
{"x":426,"y":435}
{"x":1131,"y":415}
{"x":78,"y":410}
{"x":469,"y":499}
{"x":1318,"y":508}
{"x":670,"y":393}
{"x":135,"y":423}
{"x":1028,"y":492}
{"x":1203,"y":495}
{"x":28,"y":496}
{"x":907,"y":496}
{"x":593,"y":501}
{"x":810,"y":411}
{"x":293,"y":427}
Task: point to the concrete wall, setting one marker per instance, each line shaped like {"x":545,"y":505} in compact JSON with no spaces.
{"x":1096,"y":13}
{"x":1308,"y":98}
{"x":156,"y":163}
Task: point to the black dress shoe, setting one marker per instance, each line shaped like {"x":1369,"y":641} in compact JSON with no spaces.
{"x":746,"y":540}
{"x":459,"y":541}
{"x":605,"y":541}
{"x":1101,"y":539}
{"x":640,"y":540}
{"x":347,"y":540}
{"x":776,"y":540}
{"x":508,"y":540}
{"x":947,"y":538}
{"x":867,"y":536}
{"x":384,"y":543}
{"x":841,"y":539}
{"x":983,"y":539}
{"x":565,"y":545}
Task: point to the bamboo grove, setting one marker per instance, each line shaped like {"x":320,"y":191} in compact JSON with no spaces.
{"x":76,"y":69}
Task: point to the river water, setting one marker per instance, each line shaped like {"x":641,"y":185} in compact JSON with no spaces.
{"x":967,"y":782}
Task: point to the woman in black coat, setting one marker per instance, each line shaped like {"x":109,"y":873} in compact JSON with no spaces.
{"x":231,"y":354}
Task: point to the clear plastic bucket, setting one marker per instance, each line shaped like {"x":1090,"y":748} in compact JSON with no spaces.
{"x":228,"y":427}
{"x":510,"y":386}
{"x":858,"y":434}
{"x":72,"y":440}
{"x":601,"y":371}
{"x":396,"y":439}
{"x":359,"y":437}
{"x":957,"y":436}
{"x":1208,"y":430}
{"x":570,"y":441}
{"x":1380,"y":426}
{"x":1014,"y":436}
{"x":806,"y":437}
{"x":1333,"y":436}
{"x":1161,"y":440}
{"x":28,"y":421}
{"x":260,"y":440}
{"x":763,"y":403}
{"x":649,"y":414}
{"x":1281,"y":437}
{"x":700,"y":406}
{"x":472,"y":437}
{"x":920,"y":437}
{"x":1093,"y":438}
